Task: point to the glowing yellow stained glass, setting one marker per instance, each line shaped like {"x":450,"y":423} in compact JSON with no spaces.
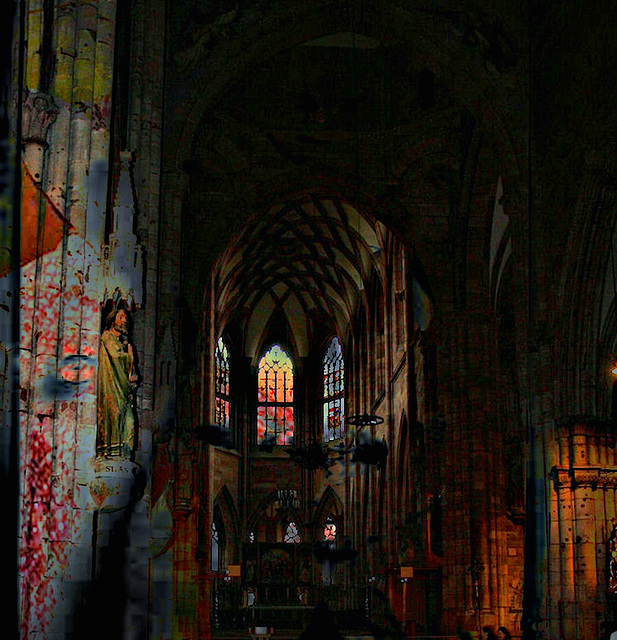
{"x":275,"y":412}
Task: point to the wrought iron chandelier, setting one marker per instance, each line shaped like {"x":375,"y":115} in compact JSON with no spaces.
{"x":362,"y":420}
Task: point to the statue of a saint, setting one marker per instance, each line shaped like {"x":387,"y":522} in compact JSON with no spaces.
{"x":117,"y":380}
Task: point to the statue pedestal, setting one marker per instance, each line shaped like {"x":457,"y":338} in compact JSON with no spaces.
{"x":116,"y":483}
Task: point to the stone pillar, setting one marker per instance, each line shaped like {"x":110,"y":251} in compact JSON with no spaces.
{"x":186,"y":596}
{"x":144,"y":136}
{"x":167,"y":418}
{"x":578,"y":444}
{"x":60,"y":311}
{"x":582,"y":509}
{"x":39,"y":113}
{"x":474,"y":513}
{"x":455,"y":377}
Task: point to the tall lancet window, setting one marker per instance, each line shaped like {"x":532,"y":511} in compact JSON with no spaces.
{"x":275,"y":412}
{"x":215,"y":549}
{"x":334,"y":391}
{"x":221,"y":360}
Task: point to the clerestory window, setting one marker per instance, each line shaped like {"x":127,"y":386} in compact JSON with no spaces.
{"x":222,"y":407}
{"x":334,"y":392}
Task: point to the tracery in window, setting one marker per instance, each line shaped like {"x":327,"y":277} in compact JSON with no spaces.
{"x":275,"y":411}
{"x":221,"y":359}
{"x":334,"y":389}
{"x":292,"y":535}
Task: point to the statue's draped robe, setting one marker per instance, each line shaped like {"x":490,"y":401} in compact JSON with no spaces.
{"x":116,"y":420}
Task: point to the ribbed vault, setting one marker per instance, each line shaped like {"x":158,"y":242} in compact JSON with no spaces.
{"x":310,"y":258}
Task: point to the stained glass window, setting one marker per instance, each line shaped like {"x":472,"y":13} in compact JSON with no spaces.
{"x":221,"y":359}
{"x":275,"y":412}
{"x":214,"y":549}
{"x":329,"y":531}
{"x":329,"y":542}
{"x":334,"y":390}
{"x":292,"y":534}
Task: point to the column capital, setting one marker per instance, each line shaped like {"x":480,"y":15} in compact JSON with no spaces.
{"x":39,"y":113}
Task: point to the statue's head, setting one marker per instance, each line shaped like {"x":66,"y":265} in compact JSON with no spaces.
{"x":120,"y":320}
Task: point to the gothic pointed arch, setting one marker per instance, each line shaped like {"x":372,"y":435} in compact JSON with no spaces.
{"x":329,"y":506}
{"x":447,"y":58}
{"x":217,"y":542}
{"x":225,"y":516}
{"x":268,"y":323}
{"x":402,"y":463}
{"x":271,"y":517}
{"x":589,"y":291}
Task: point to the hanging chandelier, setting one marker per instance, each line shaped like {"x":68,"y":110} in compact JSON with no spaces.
{"x":362,"y":420}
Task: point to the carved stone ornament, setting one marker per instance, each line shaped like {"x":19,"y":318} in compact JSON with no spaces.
{"x":584,"y":477}
{"x":113,"y":485}
{"x":122,"y":258}
{"x":39,"y":113}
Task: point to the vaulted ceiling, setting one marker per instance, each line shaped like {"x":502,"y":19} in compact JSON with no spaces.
{"x":343,"y":109}
{"x":309,"y":158}
{"x":309,"y":259}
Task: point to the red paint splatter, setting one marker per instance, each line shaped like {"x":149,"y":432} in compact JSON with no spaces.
{"x":36,"y":504}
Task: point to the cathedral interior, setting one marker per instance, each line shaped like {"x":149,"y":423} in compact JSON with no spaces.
{"x":308,"y":306}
